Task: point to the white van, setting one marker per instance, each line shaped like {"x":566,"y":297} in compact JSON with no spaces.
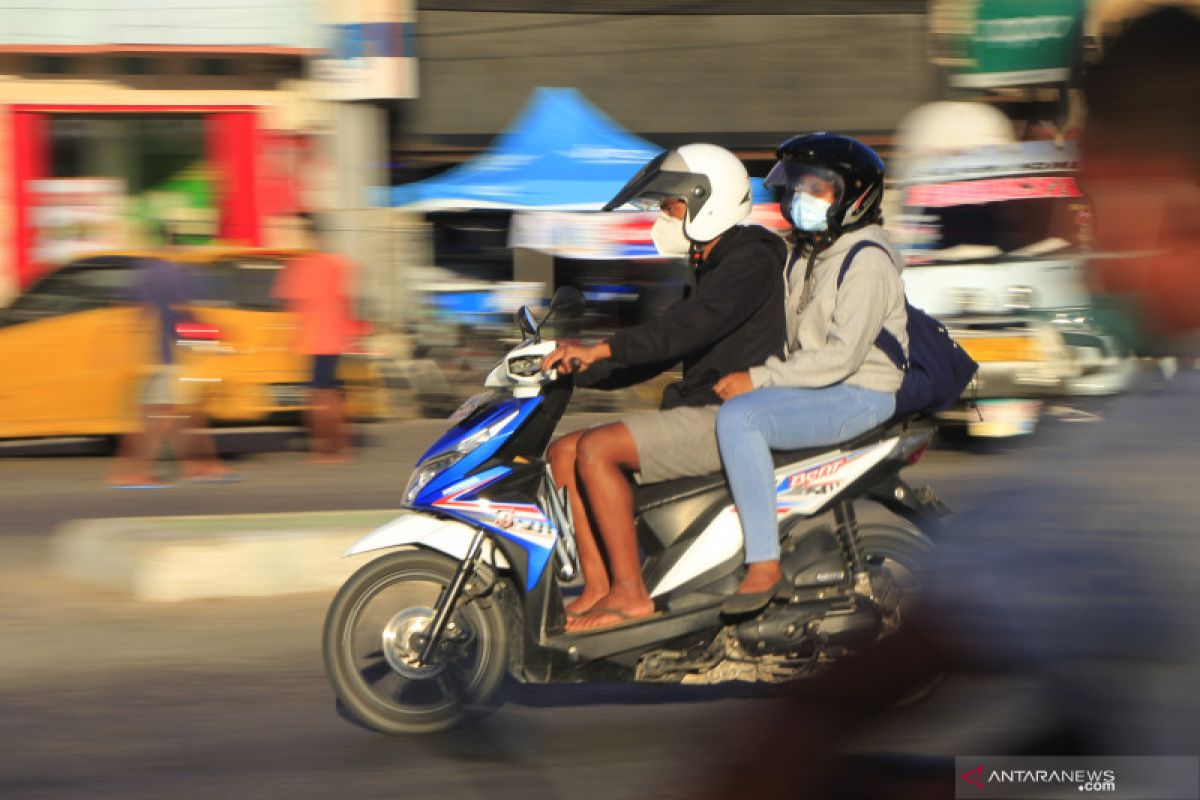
{"x":995,"y":239}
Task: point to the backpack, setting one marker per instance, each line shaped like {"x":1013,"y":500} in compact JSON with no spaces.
{"x":937,"y":369}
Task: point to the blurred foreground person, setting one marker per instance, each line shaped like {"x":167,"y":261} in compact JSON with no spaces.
{"x":317,"y":287}
{"x":731,"y":320}
{"x":837,"y":381}
{"x":169,"y":415}
{"x":1082,"y":575}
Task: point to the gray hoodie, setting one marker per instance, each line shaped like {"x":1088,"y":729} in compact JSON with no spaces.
{"x":832,"y":338}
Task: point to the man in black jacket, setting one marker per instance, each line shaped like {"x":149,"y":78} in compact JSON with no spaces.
{"x":731,"y":319}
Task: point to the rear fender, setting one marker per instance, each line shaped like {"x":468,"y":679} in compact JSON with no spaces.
{"x":444,"y":535}
{"x":919,"y":505}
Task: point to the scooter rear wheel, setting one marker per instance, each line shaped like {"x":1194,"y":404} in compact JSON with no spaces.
{"x":373,"y":635}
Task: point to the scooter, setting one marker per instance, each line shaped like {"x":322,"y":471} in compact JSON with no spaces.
{"x":471,"y":590}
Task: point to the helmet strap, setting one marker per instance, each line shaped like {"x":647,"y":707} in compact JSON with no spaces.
{"x":815,"y":241}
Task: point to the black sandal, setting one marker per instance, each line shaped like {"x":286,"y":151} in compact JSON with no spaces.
{"x":744,"y":604}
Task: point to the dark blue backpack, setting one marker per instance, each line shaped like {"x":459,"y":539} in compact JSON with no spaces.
{"x":937,"y":369}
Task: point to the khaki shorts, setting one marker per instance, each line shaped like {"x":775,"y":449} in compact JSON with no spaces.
{"x":167,"y":385}
{"x":677,"y":443}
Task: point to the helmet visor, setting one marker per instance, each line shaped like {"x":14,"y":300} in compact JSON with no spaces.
{"x":665,"y":177}
{"x":790,"y":177}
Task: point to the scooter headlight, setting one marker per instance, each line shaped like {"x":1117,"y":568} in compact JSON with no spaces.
{"x":524,"y":366}
{"x":428,"y":471}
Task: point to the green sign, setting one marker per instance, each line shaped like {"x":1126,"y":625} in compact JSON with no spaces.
{"x":1019,"y":42}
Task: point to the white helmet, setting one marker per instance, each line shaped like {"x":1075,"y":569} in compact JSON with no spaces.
{"x":709,"y":179}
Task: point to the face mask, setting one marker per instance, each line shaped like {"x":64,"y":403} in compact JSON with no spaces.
{"x":668,"y":236}
{"x":809,"y":213}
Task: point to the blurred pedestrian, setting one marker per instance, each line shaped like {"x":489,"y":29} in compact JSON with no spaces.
{"x":317,"y":287}
{"x":168,"y":404}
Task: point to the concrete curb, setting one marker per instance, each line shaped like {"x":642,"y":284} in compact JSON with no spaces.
{"x":190,"y":558}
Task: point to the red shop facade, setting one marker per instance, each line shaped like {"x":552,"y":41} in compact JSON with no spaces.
{"x":218,"y":160}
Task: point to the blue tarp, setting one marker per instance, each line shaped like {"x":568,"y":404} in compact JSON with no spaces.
{"x":560,"y":153}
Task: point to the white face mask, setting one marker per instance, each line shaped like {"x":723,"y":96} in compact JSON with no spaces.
{"x":668,"y":236}
{"x":809,"y":213}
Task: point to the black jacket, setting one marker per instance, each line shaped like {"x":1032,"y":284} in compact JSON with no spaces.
{"x":730,"y":320}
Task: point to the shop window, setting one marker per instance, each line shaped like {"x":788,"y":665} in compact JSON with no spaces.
{"x":215,"y":66}
{"x":293,"y":67}
{"x":281,"y":68}
{"x":138,"y":65}
{"x":52,"y":65}
{"x":161,"y":161}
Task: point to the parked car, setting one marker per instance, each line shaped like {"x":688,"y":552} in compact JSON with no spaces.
{"x":74,"y":348}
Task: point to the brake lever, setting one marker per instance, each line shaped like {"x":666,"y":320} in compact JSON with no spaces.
{"x":552,"y":373}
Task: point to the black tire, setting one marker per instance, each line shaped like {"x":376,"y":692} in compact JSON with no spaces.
{"x":903,"y":550}
{"x":896,"y":544}
{"x":361,"y":662}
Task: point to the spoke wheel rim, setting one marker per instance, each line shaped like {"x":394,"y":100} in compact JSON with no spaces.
{"x":379,"y":642}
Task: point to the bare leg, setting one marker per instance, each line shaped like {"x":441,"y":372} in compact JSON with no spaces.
{"x":603,"y":455}
{"x":339,"y":435}
{"x":129,"y":466}
{"x":330,"y":443}
{"x":139,"y":451}
{"x":591,"y":560}
{"x":200,"y":457}
{"x":312,"y":422}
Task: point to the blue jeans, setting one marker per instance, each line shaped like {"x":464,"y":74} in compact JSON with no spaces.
{"x":750,"y":425}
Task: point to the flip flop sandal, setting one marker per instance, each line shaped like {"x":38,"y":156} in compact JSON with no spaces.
{"x":626,"y":620}
{"x":740,"y":605}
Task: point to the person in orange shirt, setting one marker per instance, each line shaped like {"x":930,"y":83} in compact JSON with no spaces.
{"x":317,"y":287}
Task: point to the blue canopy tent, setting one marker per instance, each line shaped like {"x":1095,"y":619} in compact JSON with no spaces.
{"x":560,"y":153}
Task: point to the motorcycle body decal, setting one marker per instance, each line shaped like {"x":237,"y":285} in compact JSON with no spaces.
{"x":719,"y":542}
{"x":523,"y":523}
{"x":805,"y":487}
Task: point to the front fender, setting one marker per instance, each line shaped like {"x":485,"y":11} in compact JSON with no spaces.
{"x":444,"y":535}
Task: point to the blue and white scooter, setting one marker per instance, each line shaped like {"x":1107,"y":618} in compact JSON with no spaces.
{"x":470,"y":587}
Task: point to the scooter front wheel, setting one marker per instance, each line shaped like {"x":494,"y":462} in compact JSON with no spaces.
{"x":373,"y":635}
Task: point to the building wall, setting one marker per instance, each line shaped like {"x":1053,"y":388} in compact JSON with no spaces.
{"x":746,"y":79}
{"x":264,"y":23}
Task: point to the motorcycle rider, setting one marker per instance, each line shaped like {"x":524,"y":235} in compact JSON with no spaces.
{"x":834,"y":383}
{"x":731,"y":319}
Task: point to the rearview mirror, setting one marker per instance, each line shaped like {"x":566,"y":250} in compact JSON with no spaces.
{"x":526,"y":322}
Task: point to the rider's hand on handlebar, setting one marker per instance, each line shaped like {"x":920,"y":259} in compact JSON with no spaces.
{"x":571,"y":357}
{"x":733,"y":384}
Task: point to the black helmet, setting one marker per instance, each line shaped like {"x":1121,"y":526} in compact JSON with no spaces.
{"x":855,"y":170}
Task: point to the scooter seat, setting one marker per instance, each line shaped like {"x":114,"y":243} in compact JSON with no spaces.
{"x":656,"y":494}
{"x":653,"y":495}
{"x":893,"y":427}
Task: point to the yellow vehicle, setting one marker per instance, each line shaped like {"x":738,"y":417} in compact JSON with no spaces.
{"x":74,"y":348}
